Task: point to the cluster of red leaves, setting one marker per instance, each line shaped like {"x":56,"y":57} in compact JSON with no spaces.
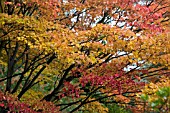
{"x":112,"y":82}
{"x":45,"y":107}
{"x":71,"y":90}
{"x":48,"y":8}
{"x":106,"y":78}
{"x":146,"y":17}
{"x":11,"y":104}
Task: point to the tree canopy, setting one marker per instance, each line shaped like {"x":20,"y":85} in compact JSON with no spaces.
{"x":84,"y":56}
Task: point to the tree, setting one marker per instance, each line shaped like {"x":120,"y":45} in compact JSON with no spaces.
{"x":75,"y":53}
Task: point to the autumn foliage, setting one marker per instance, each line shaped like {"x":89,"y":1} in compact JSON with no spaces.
{"x":90,"y":56}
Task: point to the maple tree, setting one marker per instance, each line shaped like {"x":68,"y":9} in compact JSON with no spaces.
{"x":75,"y":55}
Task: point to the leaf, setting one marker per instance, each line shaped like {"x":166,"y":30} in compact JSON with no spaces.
{"x":144,"y":97}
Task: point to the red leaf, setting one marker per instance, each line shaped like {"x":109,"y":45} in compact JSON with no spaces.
{"x":2,"y":105}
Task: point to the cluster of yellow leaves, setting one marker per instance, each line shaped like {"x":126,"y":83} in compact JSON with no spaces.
{"x":31,"y":97}
{"x":94,"y":107}
{"x":152,"y":88}
{"x":35,"y":34}
{"x":98,"y":40}
{"x":121,"y":98}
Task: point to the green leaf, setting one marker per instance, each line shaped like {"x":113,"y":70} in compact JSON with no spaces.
{"x":144,"y":97}
{"x":163,"y":92}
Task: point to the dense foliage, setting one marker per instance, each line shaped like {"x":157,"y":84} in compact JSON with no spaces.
{"x":85,"y":56}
